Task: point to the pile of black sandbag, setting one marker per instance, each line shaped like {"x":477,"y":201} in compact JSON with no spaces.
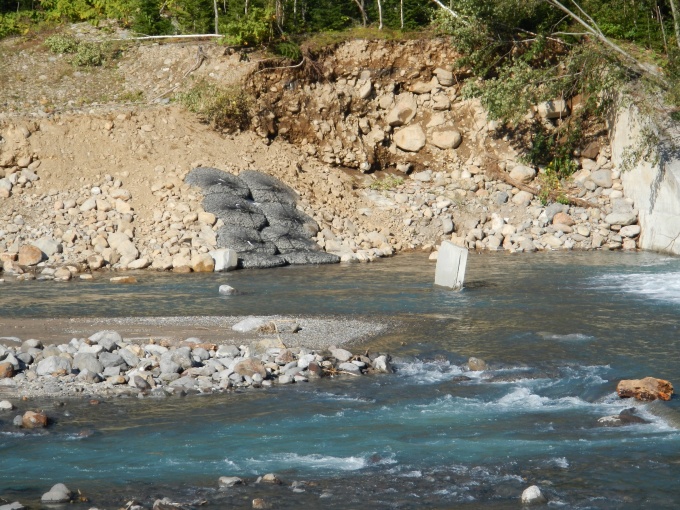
{"x":261,"y":222}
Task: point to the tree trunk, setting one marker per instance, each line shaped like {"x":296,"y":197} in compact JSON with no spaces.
{"x":363,"y":11}
{"x":380,"y":26}
{"x":217,"y":18}
{"x":401,"y":13}
{"x":246,"y":7}
{"x":676,"y":23}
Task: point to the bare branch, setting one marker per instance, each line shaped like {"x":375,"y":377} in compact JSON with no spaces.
{"x":452,"y":12}
{"x":676,"y":24}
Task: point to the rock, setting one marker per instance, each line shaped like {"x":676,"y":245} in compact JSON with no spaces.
{"x":6,"y":405}
{"x":249,"y":324}
{"x":423,"y":87}
{"x":444,"y":77}
{"x":249,"y":367}
{"x":109,"y":340}
{"x":476,"y":364}
{"x":555,"y":109}
{"x":48,"y":246}
{"x":411,"y":138}
{"x":95,"y":262}
{"x":403,"y":112}
{"x":563,"y":219}
{"x":203,"y":263}
{"x":140,"y":263}
{"x":229,"y":481}
{"x":625,"y":417}
{"x":33,"y":420}
{"x":446,"y":139}
{"x":271,"y":478}
{"x":533,"y":496}
{"x":630,"y":231}
{"x":59,"y":493}
{"x":365,"y":90}
{"x":53,"y":364}
{"x":523,"y":173}
{"x":227,"y":290}
{"x":522,"y":198}
{"x":167,"y":504}
{"x":224,"y":259}
{"x":87,"y":361}
{"x":261,"y":504}
{"x":6,"y":370}
{"x":30,"y":255}
{"x":13,"y":506}
{"x":123,"y":279}
{"x":341,"y":354}
{"x":110,"y":359}
{"x":621,"y":218}
{"x":602,"y":178}
{"x":349,"y":367}
{"x":648,"y":388}
{"x":382,"y":364}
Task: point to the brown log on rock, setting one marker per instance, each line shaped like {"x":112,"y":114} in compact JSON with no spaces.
{"x":648,"y":388}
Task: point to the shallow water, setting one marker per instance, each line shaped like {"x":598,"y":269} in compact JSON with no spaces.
{"x":559,"y":331}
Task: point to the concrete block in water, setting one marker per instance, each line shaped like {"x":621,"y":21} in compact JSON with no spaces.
{"x":451,"y":264}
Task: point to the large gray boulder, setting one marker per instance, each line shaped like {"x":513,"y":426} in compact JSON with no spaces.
{"x":53,"y":364}
{"x":86,"y":361}
{"x":109,"y":340}
{"x":404,"y":110}
{"x":411,"y":138}
{"x":109,"y":359}
{"x":59,"y":493}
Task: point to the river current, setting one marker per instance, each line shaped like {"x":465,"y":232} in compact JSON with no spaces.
{"x":558,"y":330}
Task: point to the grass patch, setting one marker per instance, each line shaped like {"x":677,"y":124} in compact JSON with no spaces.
{"x":388,"y":183}
{"x":227,"y":109}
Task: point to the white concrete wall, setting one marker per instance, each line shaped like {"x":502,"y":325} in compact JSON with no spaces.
{"x":653,"y":187}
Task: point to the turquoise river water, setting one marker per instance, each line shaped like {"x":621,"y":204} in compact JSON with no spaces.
{"x":558,"y":331}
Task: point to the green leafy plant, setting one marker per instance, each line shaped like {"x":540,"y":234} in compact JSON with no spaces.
{"x":62,"y":43}
{"x":224,"y":108}
{"x":388,"y":183}
{"x":289,"y":50}
{"x":251,"y":29}
{"x":89,"y":54}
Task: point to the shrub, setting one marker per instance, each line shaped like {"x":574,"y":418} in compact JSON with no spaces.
{"x":89,"y":55}
{"x":61,"y":43}
{"x":224,"y":108}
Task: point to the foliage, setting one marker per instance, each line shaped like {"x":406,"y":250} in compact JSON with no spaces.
{"x":61,"y":43}
{"x":289,"y":50}
{"x":147,"y":19}
{"x":224,"y":108}
{"x":251,"y":29}
{"x":388,"y":183}
{"x":11,"y":24}
{"x":89,"y":54}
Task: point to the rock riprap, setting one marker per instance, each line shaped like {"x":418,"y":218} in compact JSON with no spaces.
{"x":260,"y":219}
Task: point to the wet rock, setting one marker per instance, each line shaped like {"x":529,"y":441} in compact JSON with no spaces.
{"x":645,"y":389}
{"x":625,"y":417}
{"x":476,"y":364}
{"x":382,"y":364}
{"x":59,"y":493}
{"x":166,"y":504}
{"x":411,"y":138}
{"x":34,"y":420}
{"x":6,"y":405}
{"x":202,"y":263}
{"x":229,"y":481}
{"x":271,"y":478}
{"x":533,"y":496}
{"x":13,"y":506}
{"x":227,"y":290}
{"x":261,"y":504}
{"x":30,"y":255}
{"x":123,"y":279}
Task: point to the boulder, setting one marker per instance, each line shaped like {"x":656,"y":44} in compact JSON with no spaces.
{"x":227,"y":290}
{"x":53,"y":364}
{"x":602,"y":178}
{"x":248,"y":324}
{"x":109,"y":340}
{"x":6,"y":405}
{"x":533,"y":496}
{"x":87,"y":361}
{"x":444,"y":77}
{"x":648,"y":388}
{"x":476,"y":364}
{"x":523,"y":173}
{"x":229,"y":481}
{"x":341,"y":354}
{"x":446,"y":139}
{"x":30,"y":255}
{"x":34,"y":420}
{"x":621,"y":218}
{"x":48,"y":246}
{"x":109,"y":359}
{"x":522,"y":198}
{"x":95,"y":262}
{"x":625,"y":417}
{"x":350,"y":368}
{"x":225,"y":259}
{"x":630,"y":231}
{"x":249,"y":367}
{"x":59,"y":493}
{"x":123,"y":279}
{"x":203,"y":263}
{"x":403,"y":112}
{"x":411,"y":138}
{"x":13,"y":506}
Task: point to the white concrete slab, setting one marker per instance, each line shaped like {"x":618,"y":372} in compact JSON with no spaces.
{"x":451,"y":264}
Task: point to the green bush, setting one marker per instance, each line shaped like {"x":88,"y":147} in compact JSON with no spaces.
{"x":250,"y":30}
{"x":227,"y":109}
{"x":10,"y":24}
{"x":89,"y":55}
{"x":61,"y":43}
